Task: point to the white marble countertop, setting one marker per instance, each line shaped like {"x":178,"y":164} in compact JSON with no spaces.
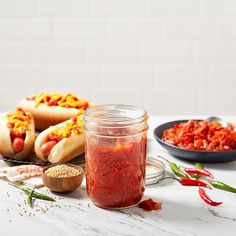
{"x":183,"y":212}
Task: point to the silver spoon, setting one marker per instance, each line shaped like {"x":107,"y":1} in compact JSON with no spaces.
{"x":212,"y":119}
{"x":223,"y":122}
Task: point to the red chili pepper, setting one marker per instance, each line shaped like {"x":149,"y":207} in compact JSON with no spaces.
{"x":189,"y":182}
{"x":193,"y":171}
{"x":206,"y":198}
{"x":194,"y":182}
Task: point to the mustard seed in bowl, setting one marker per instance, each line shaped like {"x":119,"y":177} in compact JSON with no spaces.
{"x":63,"y":177}
{"x":61,"y":171}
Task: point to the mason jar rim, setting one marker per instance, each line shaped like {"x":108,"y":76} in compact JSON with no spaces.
{"x":121,"y":114}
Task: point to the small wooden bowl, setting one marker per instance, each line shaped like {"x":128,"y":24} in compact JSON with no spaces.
{"x":63,"y":184}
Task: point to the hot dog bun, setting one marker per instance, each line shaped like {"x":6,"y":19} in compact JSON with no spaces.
{"x":65,"y":150}
{"x":6,"y":148}
{"x":46,"y":116}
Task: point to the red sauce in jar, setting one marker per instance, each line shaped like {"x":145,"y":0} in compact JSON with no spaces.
{"x":115,"y":172}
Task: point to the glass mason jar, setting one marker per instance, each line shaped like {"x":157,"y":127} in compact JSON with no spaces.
{"x":115,"y":153}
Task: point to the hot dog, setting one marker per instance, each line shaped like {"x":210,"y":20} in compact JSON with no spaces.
{"x":51,"y":108}
{"x":62,"y":142}
{"x":17,"y":134}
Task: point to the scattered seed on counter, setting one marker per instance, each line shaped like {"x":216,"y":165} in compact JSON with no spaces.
{"x":39,"y":207}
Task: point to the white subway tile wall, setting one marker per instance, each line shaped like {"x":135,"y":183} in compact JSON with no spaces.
{"x":168,"y":56}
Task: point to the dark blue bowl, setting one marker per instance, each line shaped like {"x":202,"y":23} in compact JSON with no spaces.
{"x":191,"y":155}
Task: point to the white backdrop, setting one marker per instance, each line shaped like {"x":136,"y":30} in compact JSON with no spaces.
{"x":168,"y":56}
